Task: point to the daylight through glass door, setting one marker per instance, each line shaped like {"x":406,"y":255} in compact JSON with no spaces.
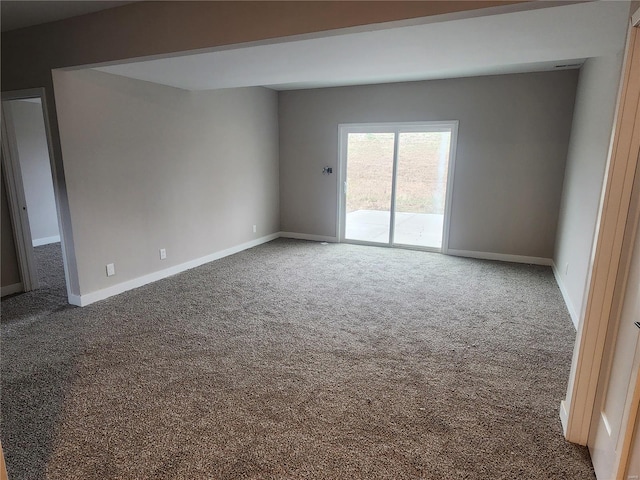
{"x":395,"y":183}
{"x":421,"y":185}
{"x":369,"y":180}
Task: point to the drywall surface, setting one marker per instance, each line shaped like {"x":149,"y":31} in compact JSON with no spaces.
{"x":152,"y":28}
{"x":512,"y":144}
{"x":10,"y":274}
{"x":33,"y":153}
{"x":141,"y":29}
{"x":150,"y":167}
{"x":584,"y":175}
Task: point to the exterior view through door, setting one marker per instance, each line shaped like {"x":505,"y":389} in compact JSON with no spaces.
{"x":396,"y":183}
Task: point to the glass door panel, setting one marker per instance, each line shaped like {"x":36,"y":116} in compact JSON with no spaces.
{"x":421,"y":185}
{"x":368,"y":187}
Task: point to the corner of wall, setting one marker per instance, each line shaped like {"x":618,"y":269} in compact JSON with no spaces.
{"x":584,"y":176}
{"x":102,"y":294}
{"x":573,"y":313}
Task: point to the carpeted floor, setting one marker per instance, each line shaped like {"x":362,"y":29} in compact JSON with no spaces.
{"x":296,"y":360}
{"x":50,"y":267}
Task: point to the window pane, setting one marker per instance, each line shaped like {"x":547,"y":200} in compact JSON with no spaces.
{"x":421,"y":185}
{"x":369,"y":180}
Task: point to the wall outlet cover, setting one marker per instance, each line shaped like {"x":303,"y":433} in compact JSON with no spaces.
{"x":111,"y":270}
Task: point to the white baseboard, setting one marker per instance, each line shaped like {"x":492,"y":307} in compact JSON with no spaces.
{"x":38,"y":242}
{"x":306,"y":236}
{"x":11,"y":289}
{"x":564,"y":417}
{"x":92,"y":297}
{"x":75,"y":300}
{"x":573,"y":313}
{"x":89,"y":298}
{"x":501,"y":257}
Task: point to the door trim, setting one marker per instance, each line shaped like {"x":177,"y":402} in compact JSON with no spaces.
{"x":632,"y":418}
{"x":628,"y":419}
{"x":22,"y":231}
{"x":395,"y":127}
{"x":17,"y":204}
{"x":600,"y":303}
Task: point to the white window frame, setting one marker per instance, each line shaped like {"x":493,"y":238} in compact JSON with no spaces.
{"x":344,"y":129}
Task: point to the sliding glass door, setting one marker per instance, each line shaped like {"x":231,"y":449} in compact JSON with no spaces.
{"x":369,"y":180}
{"x":395,"y":180}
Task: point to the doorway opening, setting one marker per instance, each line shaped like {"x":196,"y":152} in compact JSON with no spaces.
{"x":28,"y":175}
{"x":396,"y":183}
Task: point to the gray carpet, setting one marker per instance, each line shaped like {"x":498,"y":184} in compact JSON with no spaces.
{"x":296,"y":360}
{"x":51,"y":294}
{"x":50,"y":267}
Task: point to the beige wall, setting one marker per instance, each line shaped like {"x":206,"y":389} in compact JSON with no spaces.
{"x":150,"y":167}
{"x":512,"y":144}
{"x":586,"y":162}
{"x":9,"y":260}
{"x":33,"y":152}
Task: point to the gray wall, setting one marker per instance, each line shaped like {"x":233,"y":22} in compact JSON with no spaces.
{"x":10,"y":274}
{"x":140,"y":29}
{"x":33,"y":153}
{"x":512,"y":144}
{"x":151,"y":28}
{"x":150,"y":167}
{"x":586,"y":162}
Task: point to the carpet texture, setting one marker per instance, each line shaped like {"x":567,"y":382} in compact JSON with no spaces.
{"x":50,"y":267}
{"x":296,"y":360}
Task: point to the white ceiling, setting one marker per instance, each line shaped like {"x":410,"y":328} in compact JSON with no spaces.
{"x":513,"y":42}
{"x":19,"y":14}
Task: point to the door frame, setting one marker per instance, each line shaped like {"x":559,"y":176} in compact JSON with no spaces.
{"x":15,"y":189}
{"x":603,"y":295}
{"x":17,"y":204}
{"x":632,"y":400}
{"x":344,"y":129}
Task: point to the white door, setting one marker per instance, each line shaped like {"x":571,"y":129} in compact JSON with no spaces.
{"x":615,"y":410}
{"x":15,"y":186}
{"x":633,"y":468}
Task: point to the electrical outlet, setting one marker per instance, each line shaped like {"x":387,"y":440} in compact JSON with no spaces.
{"x":163,"y":253}
{"x":111,"y":270}
{"x":254,"y":229}
{"x":566,"y":269}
